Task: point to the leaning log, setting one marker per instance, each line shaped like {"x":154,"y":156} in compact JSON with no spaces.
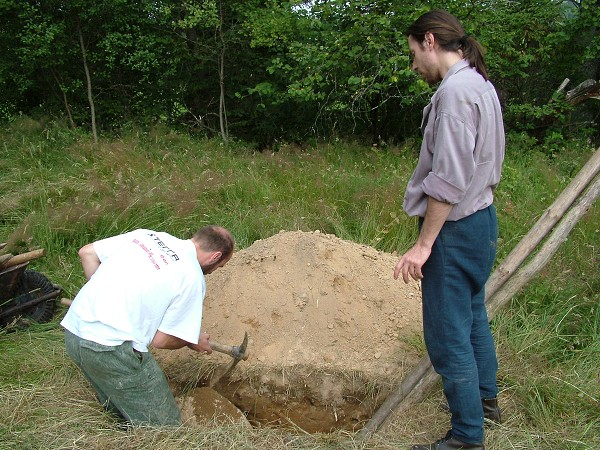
{"x":543,"y":226}
{"x":539,"y":261}
{"x":499,"y":289}
{"x":23,"y":257}
{"x":585,"y":90}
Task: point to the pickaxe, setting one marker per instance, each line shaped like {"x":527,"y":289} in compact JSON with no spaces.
{"x":238,"y":353}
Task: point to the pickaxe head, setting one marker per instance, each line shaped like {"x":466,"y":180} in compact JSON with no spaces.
{"x":237,"y":352}
{"x":241,"y":352}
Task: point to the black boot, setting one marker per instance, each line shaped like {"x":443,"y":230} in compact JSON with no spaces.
{"x":449,"y":443}
{"x":491,"y":410}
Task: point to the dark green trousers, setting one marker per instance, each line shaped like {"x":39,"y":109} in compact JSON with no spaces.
{"x":128,"y":383}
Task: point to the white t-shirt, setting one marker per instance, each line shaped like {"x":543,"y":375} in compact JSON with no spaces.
{"x":147,"y":281}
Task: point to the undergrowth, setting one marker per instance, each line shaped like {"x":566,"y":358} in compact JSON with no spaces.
{"x":59,"y":191}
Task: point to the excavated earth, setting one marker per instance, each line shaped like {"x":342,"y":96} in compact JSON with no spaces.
{"x":331,"y":333}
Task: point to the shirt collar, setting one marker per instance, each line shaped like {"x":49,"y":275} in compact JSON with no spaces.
{"x":456,"y":67}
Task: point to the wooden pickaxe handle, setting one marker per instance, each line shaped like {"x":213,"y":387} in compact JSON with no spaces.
{"x":236,"y":352}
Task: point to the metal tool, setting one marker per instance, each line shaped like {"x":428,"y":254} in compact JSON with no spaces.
{"x":238,"y":353}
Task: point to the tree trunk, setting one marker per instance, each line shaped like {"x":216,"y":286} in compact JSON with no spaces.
{"x":88,"y":81}
{"x":65,"y":101}
{"x":222,"y":110}
{"x":221,"y":62}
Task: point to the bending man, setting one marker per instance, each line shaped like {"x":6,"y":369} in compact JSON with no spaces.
{"x":144,"y":288}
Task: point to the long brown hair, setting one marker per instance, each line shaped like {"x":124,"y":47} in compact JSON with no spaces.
{"x":450,"y":35}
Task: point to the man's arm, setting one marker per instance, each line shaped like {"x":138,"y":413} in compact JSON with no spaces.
{"x":169,"y":342}
{"x":412,"y":261}
{"x":89,"y":260}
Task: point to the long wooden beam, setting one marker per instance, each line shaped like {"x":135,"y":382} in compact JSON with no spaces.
{"x":21,"y":258}
{"x":543,"y":226}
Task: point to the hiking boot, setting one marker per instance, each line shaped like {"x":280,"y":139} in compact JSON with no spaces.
{"x":448,"y":443}
{"x":491,"y":410}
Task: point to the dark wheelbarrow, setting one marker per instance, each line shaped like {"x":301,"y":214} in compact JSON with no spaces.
{"x":26,"y":296}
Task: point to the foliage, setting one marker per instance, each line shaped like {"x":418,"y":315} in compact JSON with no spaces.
{"x":276,"y":71}
{"x":347,"y":58}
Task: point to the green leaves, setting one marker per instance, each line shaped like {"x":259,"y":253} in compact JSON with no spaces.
{"x":285,"y":70}
{"x":202,"y":14}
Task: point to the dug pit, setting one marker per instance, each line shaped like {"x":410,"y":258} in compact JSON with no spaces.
{"x":331,"y":334}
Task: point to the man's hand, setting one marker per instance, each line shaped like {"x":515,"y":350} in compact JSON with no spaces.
{"x":203,"y":344}
{"x":411,"y":262}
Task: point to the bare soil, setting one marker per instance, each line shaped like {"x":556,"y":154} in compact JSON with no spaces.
{"x":331,"y":333}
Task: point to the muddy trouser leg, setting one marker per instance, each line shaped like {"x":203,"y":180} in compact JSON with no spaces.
{"x":127,"y":382}
{"x":457,"y":335}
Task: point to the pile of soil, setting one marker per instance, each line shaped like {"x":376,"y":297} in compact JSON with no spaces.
{"x":331,"y":332}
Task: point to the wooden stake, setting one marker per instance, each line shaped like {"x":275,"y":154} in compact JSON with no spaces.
{"x":543,"y":226}
{"x":23,"y":257}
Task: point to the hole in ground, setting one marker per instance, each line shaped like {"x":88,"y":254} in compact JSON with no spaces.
{"x":314,"y":400}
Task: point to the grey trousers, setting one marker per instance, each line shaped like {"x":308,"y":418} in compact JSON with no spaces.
{"x":128,"y":383}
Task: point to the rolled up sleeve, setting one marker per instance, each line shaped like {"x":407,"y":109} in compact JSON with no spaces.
{"x":453,"y":164}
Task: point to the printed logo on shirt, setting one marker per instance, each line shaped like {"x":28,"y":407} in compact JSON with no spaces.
{"x":165,"y":256}
{"x":170,"y":253}
{"x":148,"y":252}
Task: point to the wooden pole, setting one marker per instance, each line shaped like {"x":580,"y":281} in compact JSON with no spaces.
{"x":420,"y":380}
{"x":4,"y":258}
{"x":539,"y":261}
{"x":543,"y":226}
{"x":23,"y":257}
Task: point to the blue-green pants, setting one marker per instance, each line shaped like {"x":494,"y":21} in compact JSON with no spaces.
{"x":455,"y":323}
{"x":128,"y":383}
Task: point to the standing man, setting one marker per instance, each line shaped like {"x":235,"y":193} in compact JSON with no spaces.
{"x":451,"y":191}
{"x":144,"y":288}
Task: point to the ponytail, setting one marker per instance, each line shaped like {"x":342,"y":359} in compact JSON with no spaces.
{"x":473,"y":52}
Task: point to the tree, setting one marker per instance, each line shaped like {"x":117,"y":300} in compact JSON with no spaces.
{"x":347,"y":60}
{"x":272,"y":70}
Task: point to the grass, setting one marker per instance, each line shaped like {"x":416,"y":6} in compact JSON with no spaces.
{"x":59,"y":192}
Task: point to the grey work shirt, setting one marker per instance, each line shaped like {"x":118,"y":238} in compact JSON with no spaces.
{"x":463,"y":146}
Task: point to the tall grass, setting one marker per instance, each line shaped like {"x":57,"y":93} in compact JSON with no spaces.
{"x":59,"y":191}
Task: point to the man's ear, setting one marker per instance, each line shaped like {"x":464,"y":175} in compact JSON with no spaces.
{"x":215,"y":257}
{"x":429,"y":40}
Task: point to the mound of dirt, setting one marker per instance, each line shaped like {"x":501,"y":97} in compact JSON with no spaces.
{"x":331,"y":331}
